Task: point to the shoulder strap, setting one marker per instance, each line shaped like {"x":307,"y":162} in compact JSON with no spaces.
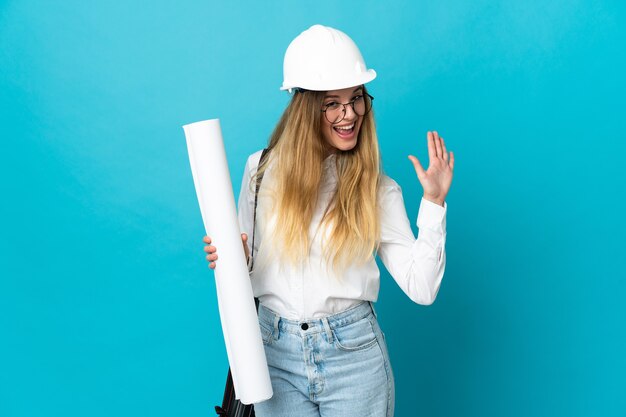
{"x":259,"y":178}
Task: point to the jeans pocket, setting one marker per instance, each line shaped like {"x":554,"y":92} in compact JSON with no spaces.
{"x":266,"y":334}
{"x":355,"y":336}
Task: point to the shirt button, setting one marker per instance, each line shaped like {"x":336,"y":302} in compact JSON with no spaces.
{"x":304,"y":326}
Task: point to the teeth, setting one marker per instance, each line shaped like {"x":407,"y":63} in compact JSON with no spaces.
{"x":345,"y":127}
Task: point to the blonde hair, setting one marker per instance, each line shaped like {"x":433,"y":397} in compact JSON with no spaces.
{"x":296,"y":153}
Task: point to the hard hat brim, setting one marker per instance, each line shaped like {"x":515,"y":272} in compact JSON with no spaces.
{"x":360,"y":79}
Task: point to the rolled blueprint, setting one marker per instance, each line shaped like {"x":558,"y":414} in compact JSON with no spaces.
{"x":238,"y":316}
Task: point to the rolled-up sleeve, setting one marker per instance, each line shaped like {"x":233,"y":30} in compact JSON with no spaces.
{"x":417,"y":265}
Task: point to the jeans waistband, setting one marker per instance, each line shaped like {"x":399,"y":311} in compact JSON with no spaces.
{"x":343,"y":318}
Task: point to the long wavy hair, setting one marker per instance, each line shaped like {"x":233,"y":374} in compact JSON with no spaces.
{"x":297,"y":150}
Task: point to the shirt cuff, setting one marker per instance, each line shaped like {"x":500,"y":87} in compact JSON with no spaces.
{"x":432,"y":216}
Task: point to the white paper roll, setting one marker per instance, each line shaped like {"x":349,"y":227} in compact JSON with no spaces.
{"x":238,"y":316}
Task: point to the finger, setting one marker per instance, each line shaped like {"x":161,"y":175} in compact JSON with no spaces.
{"x":212,"y":265}
{"x":418,"y":167}
{"x":452,"y":160}
{"x":244,"y":237}
{"x":432,"y":151}
{"x":438,"y":145}
{"x":209,"y":249}
{"x":445,"y":151}
{"x":206,"y":239}
{"x":212,"y":257}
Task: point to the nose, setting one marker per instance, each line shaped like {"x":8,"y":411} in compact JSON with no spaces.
{"x":349,"y":112}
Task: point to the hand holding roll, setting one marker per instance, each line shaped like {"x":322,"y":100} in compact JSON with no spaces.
{"x":211,"y":250}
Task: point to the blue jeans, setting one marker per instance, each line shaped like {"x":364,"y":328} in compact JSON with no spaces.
{"x":337,"y":366}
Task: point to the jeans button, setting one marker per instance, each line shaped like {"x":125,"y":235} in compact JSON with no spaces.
{"x":304,"y":326}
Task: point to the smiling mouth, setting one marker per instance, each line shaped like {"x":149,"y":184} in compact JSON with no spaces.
{"x":344,"y":131}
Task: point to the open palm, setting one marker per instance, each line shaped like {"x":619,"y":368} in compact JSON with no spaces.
{"x":437,"y":179}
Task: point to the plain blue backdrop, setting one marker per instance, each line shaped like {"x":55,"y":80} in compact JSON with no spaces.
{"x":107,"y":307}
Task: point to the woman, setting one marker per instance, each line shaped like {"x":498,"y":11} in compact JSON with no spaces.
{"x":324,"y":211}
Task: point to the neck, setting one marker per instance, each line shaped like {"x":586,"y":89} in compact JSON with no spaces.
{"x":329,"y":150}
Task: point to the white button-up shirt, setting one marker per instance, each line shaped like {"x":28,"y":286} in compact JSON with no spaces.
{"x":309,"y":290}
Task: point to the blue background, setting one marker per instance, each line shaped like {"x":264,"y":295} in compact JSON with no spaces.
{"x":107,"y":307}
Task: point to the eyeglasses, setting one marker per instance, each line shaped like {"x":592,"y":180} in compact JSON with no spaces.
{"x":335,"y":112}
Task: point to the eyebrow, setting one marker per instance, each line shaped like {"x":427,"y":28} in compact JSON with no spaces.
{"x":336,"y":96}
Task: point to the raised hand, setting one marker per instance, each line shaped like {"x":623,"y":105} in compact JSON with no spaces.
{"x":437,"y":179}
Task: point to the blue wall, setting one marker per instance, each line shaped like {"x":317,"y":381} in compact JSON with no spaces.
{"x":107,"y":307}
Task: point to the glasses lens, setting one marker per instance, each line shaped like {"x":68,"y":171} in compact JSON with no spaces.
{"x":362,"y":105}
{"x":359,"y":105}
{"x":334,"y":113}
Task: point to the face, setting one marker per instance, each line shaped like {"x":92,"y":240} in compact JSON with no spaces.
{"x":341,"y":135}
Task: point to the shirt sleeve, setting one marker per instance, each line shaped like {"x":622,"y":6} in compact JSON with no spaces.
{"x":245,"y":205}
{"x":417,"y":265}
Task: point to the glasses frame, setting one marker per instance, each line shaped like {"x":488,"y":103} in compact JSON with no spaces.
{"x":351,"y":103}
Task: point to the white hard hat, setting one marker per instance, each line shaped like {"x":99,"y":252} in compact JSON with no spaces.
{"x":322,"y":58}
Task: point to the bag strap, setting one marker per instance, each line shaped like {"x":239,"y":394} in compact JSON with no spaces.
{"x":259,"y":178}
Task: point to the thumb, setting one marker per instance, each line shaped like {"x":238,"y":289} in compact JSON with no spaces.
{"x":418,"y":167}
{"x":244,"y":240}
